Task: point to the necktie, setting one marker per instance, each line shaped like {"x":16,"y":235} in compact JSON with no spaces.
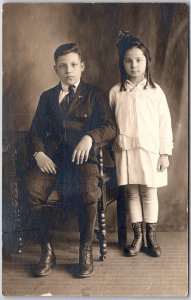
{"x":68,"y":98}
{"x":71,"y":93}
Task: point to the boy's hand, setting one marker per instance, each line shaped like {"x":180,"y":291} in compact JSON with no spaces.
{"x":163,"y":163}
{"x":81,"y":152}
{"x":45,"y":164}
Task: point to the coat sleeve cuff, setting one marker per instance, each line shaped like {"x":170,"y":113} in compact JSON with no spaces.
{"x":94,"y":136}
{"x":38,"y":145}
{"x":166,"y":149}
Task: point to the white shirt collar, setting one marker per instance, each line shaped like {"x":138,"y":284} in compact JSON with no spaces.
{"x":140,"y":84}
{"x":65,"y":87}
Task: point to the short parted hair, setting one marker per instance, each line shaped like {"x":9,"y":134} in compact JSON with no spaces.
{"x":126,"y":40}
{"x":65,"y":49}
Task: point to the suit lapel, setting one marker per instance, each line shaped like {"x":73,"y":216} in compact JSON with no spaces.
{"x":55,"y":108}
{"x":79,"y":97}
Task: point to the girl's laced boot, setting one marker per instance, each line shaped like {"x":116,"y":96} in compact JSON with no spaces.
{"x":152,"y":244}
{"x":138,"y":242}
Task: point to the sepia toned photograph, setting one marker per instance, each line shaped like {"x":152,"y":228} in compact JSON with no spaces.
{"x":95,"y":149}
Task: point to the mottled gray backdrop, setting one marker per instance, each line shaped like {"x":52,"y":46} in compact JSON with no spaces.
{"x":31,"y":33}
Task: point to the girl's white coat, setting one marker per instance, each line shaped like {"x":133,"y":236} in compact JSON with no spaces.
{"x":144,"y":132}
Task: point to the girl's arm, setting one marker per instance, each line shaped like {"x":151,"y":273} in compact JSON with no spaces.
{"x":165,"y":127}
{"x":166,"y":136}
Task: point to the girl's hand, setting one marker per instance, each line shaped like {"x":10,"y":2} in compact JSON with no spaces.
{"x":163,"y":163}
{"x":81,"y":152}
{"x":45,"y":164}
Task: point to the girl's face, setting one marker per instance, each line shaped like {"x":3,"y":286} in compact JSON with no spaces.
{"x":135,"y":64}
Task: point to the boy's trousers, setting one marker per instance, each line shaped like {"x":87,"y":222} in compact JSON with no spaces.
{"x":77,"y":184}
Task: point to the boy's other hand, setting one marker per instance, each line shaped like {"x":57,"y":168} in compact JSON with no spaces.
{"x":163,"y":163}
{"x":45,"y":164}
{"x":81,"y":152}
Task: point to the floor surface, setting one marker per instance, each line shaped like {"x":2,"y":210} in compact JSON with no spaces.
{"x":116,"y":276}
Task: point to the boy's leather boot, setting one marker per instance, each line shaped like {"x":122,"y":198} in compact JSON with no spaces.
{"x":47,"y":260}
{"x":85,"y":260}
{"x":87,"y":217}
{"x":138,"y":241}
{"x":152,"y":244}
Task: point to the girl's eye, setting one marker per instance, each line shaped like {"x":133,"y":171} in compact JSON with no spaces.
{"x":74,"y":65}
{"x":127,"y":61}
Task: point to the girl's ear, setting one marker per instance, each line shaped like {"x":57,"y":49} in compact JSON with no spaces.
{"x":82,"y":66}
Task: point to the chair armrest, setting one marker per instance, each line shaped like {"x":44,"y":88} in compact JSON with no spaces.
{"x":100,"y":145}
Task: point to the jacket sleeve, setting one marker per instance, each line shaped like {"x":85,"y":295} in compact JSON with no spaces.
{"x":37,"y":129}
{"x":104,"y":126}
{"x":165,"y":128}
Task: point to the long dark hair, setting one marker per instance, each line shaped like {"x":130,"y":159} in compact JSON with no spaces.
{"x":126,"y":40}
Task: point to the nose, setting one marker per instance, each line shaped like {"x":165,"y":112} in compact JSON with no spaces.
{"x":68,"y":69}
{"x":133,"y":64}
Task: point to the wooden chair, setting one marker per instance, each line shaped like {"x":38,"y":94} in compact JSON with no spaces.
{"x":15,"y":149}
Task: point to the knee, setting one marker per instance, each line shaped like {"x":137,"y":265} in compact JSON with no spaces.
{"x":148,"y":194}
{"x":132,"y":192}
{"x":35,"y":203}
{"x":89,"y":183}
{"x":91,"y":197}
{"x":91,"y":193}
{"x":38,"y":185}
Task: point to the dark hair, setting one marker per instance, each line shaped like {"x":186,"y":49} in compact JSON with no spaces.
{"x":65,"y":49}
{"x":126,"y":40}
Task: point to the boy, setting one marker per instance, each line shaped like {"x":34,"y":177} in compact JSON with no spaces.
{"x":69,"y":119}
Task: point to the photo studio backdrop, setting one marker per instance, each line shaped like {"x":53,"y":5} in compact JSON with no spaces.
{"x":32,"y":32}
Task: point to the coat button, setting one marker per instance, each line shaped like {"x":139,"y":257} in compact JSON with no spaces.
{"x":85,"y":116}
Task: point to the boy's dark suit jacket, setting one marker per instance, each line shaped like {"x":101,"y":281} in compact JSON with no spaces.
{"x":89,"y":113}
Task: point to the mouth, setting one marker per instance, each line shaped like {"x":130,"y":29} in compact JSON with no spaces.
{"x":134,"y":72}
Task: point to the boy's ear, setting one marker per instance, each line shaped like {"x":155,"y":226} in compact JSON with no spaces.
{"x":55,"y":69}
{"x":82,"y":66}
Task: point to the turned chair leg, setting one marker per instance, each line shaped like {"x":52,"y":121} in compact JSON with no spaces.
{"x":101,"y":233}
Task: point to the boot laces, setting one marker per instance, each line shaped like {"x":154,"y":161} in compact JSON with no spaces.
{"x":85,"y":254}
{"x":46,"y":254}
{"x":138,"y":235}
{"x":136,"y":241}
{"x":153,"y":239}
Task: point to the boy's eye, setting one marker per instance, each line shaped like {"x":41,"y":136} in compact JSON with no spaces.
{"x":74,"y":64}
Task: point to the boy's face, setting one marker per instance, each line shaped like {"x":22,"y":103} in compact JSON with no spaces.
{"x":69,"y":68}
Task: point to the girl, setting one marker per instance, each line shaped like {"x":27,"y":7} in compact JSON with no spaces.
{"x":144,"y":139}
